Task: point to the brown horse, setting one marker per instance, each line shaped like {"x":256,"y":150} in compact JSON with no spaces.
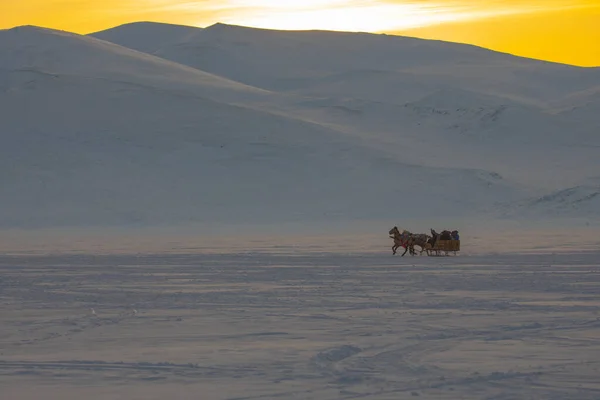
{"x":402,"y":239}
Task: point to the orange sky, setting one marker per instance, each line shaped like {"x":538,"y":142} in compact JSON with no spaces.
{"x":557,"y":30}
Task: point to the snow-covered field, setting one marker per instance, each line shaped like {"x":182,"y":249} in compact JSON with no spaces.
{"x":202,"y":214}
{"x":275,"y":324}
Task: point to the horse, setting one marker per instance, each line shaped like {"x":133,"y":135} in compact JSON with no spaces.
{"x":420,"y":239}
{"x":403,"y":239}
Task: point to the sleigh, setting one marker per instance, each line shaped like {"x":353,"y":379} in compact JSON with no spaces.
{"x":444,"y":248}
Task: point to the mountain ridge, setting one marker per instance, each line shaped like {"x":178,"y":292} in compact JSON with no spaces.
{"x":299,"y":61}
{"x":122,"y":136}
{"x":226,"y":26}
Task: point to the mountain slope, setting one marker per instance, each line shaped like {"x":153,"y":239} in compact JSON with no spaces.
{"x":147,"y":37}
{"x":456,"y":128}
{"x":428,"y":102}
{"x":37,"y":50}
{"x":96,"y":134}
{"x":582,"y":108}
{"x":581,"y":201}
{"x":302,"y":60}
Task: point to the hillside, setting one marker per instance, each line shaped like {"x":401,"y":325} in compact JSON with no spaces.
{"x":90,"y":140}
{"x":582,"y":108}
{"x":575,"y":202}
{"x":148,"y":37}
{"x":32,"y":50}
{"x":430,"y":102}
{"x":322,"y":62}
{"x":278,"y":128}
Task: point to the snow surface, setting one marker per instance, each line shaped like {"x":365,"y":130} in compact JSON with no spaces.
{"x":235,"y":125}
{"x":580,"y":201}
{"x":275,"y":325}
{"x":211,"y":209}
{"x":148,"y":37}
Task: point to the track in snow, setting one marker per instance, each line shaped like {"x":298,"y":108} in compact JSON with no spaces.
{"x":327,"y":326}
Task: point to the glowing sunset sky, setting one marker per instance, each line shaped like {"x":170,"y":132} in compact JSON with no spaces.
{"x":557,"y":30}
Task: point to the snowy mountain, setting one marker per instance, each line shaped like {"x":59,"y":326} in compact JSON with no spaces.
{"x":579,"y":201}
{"x":123,"y":137}
{"x":32,"y":49}
{"x":421,"y":100}
{"x":322,"y":62}
{"x":237,"y":125}
{"x":581,"y":108}
{"x":148,"y":37}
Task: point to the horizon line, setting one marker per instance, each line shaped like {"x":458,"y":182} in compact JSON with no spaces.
{"x":376,"y":33}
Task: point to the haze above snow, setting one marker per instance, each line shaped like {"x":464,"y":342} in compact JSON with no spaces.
{"x":155,"y":124}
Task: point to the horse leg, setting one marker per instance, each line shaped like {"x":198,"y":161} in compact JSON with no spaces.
{"x":405,"y":250}
{"x":394,"y":248}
